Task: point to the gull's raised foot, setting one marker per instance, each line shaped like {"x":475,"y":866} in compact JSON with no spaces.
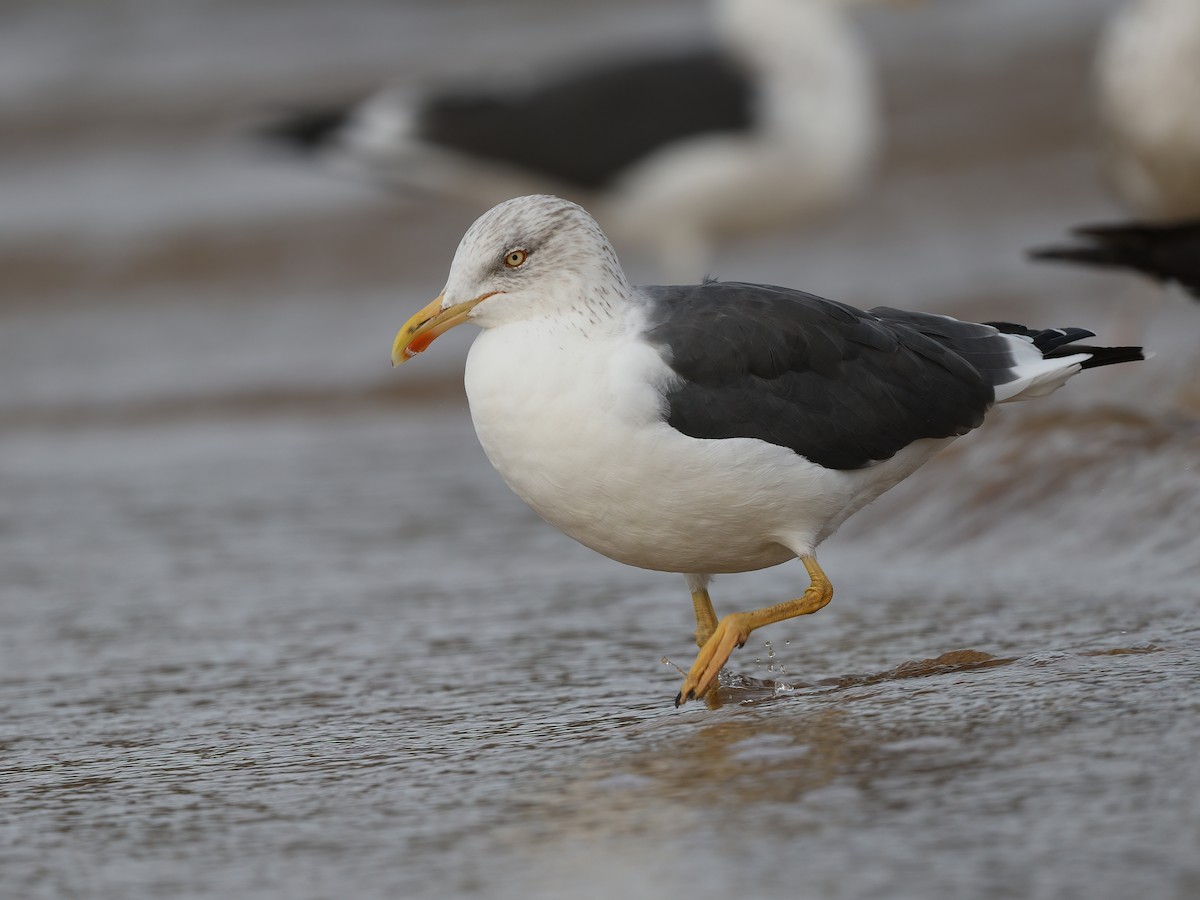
{"x":731,"y":633}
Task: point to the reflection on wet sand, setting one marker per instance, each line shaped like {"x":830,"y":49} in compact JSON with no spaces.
{"x":827,"y":772}
{"x":804,"y":745}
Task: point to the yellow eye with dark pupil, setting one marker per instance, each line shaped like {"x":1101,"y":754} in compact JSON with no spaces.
{"x":516,"y":258}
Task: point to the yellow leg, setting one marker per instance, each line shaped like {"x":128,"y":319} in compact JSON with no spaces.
{"x":706,"y":616}
{"x":734,"y":629}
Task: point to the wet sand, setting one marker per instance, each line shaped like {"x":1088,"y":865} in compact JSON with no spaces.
{"x":271,"y":627}
{"x":257,"y":656}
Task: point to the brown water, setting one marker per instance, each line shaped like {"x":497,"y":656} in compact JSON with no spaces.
{"x":271,"y":627}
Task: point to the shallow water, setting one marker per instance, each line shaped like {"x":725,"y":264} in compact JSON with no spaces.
{"x":270,"y":626}
{"x":266,"y":657}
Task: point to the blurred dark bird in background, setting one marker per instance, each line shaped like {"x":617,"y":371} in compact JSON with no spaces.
{"x":775,"y":123}
{"x":548,"y":127}
{"x":1169,"y":252}
{"x":1148,"y":84}
{"x":1147,"y":76}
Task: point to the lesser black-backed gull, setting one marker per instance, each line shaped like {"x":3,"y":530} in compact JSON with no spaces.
{"x":776,"y":122}
{"x":1166,"y":252}
{"x":715,"y":427}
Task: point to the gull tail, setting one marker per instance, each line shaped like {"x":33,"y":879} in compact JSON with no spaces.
{"x":1044,"y":359}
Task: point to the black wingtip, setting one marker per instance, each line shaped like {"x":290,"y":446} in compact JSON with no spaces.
{"x":1058,"y":342}
{"x":1168,"y":252}
{"x":1109,"y":244}
{"x":306,"y":131}
{"x":1095,"y":256}
{"x":1045,"y":339}
{"x":1108,"y":356}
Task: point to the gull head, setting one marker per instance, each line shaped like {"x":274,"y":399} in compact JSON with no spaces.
{"x":531,"y":257}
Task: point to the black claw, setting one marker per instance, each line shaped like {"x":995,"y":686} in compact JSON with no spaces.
{"x":678,"y":699}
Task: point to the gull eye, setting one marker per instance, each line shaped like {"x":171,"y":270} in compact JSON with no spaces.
{"x":514,"y":259}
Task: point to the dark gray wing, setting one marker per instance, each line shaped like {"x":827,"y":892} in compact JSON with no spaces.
{"x":580,"y":128}
{"x":307,"y":129}
{"x":1166,"y":252}
{"x":837,"y":385}
{"x":587,"y":126}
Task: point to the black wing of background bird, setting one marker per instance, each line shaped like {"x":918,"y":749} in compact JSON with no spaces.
{"x":582,"y":128}
{"x":1167,"y":252}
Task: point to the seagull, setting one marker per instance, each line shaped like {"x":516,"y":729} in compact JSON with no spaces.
{"x":1169,"y":253}
{"x":776,"y":123}
{"x":1148,"y":83}
{"x":709,"y":428}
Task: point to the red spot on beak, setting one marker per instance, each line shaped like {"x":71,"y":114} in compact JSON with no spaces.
{"x":418,"y":346}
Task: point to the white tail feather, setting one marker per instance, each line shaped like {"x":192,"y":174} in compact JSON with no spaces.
{"x":1037,"y":376}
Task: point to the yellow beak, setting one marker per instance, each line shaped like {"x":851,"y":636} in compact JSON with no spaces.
{"x":421,"y":330}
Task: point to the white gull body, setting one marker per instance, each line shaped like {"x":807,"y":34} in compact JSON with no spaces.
{"x":1148,"y":77}
{"x":814,"y":149}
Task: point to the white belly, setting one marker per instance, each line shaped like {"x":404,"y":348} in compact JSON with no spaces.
{"x":576,"y":431}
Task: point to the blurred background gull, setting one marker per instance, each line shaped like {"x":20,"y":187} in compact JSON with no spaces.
{"x":244,"y":651}
{"x":1147,"y":85}
{"x":772,"y":120}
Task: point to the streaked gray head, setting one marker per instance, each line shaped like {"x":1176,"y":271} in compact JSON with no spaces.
{"x":534,"y":256}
